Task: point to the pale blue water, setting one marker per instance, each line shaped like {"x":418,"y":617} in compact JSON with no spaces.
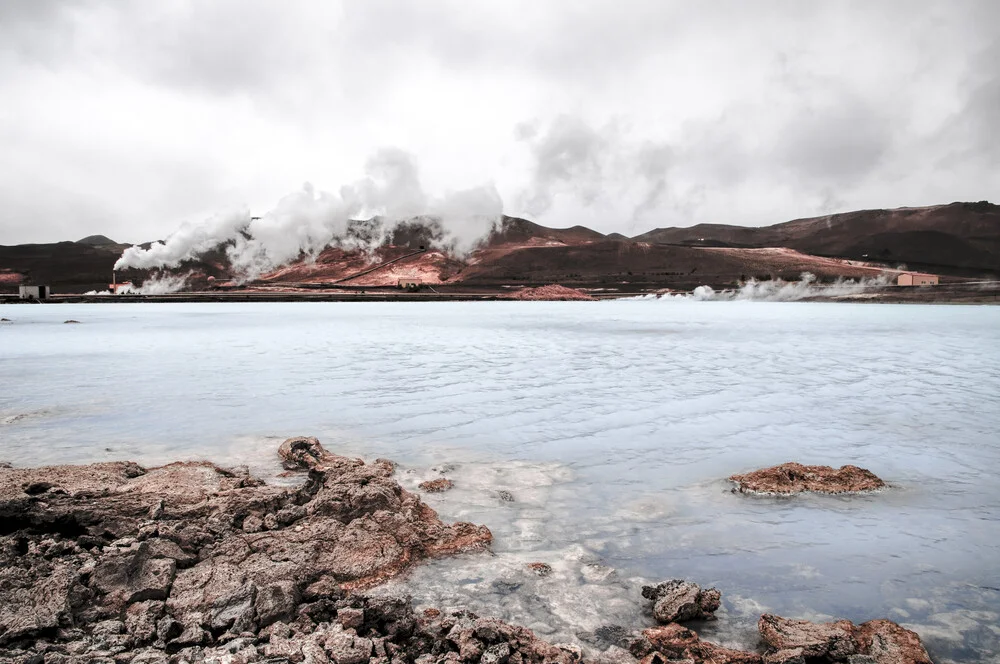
{"x":613,"y":424}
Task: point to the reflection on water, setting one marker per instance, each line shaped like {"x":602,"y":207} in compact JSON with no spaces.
{"x":612,"y":425}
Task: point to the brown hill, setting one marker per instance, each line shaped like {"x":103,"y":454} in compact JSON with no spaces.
{"x":514,"y":230}
{"x":958,"y":238}
{"x":68,"y":265}
{"x":633,"y":265}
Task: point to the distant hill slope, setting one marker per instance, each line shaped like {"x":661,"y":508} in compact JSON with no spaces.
{"x":612,"y":263}
{"x":962,"y":236}
{"x":516,"y":230}
{"x":957,"y":239}
{"x":67,"y":265}
{"x":97,"y":241}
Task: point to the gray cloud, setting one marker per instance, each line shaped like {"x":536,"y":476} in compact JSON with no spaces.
{"x":129,"y":118}
{"x":570,"y":157}
{"x":653,"y":163}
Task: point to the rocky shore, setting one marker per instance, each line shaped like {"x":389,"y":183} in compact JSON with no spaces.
{"x":190,"y":562}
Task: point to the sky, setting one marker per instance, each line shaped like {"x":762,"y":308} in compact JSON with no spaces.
{"x":132,"y":118}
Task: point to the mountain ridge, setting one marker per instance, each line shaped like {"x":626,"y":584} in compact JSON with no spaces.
{"x":960,"y":239}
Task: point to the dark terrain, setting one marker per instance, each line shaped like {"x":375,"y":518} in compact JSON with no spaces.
{"x":957,"y":241}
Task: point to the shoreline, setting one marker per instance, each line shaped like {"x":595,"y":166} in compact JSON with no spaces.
{"x":193,"y":562}
{"x":949,"y":294}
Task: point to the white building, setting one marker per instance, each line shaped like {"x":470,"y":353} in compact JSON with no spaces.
{"x":916,"y":279}
{"x":33,"y":292}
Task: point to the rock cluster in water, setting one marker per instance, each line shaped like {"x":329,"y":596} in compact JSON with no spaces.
{"x":678,"y":601}
{"x":789,"y":478}
{"x":189,"y":562}
{"x":436,"y":486}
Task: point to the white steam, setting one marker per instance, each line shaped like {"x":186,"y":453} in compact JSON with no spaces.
{"x":778,"y":290}
{"x":307,"y":221}
{"x":162,"y":284}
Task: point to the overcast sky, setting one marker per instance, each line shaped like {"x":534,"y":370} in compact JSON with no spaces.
{"x":129,"y":118}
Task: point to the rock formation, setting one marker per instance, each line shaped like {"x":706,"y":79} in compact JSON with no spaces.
{"x":550,"y":292}
{"x":873,"y":642}
{"x":189,"y":562}
{"x":674,"y":643}
{"x":678,"y":601}
{"x":789,"y":478}
{"x":116,"y":557}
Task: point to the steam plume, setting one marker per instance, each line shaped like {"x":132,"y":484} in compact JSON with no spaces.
{"x":778,"y":290}
{"x":307,"y":221}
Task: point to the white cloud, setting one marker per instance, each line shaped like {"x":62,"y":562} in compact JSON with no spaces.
{"x":128,"y":118}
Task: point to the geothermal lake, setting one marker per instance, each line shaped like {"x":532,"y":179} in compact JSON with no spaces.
{"x":613,"y":426}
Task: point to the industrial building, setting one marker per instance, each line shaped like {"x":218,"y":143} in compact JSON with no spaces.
{"x":916,"y":279}
{"x":33,"y":292}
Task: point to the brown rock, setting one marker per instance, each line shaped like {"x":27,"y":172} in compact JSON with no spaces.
{"x":141,"y":619}
{"x":351,"y":618}
{"x":672,"y":639}
{"x":788,"y":656}
{"x":550,"y":292}
{"x":889,"y":643}
{"x":880,"y":641}
{"x":541,"y":569}
{"x":834,"y":640}
{"x":791,"y":478}
{"x":680,"y":643}
{"x":135,"y":575}
{"x":31,"y":604}
{"x":677,"y":601}
{"x":204,"y":563}
{"x":439,"y":485}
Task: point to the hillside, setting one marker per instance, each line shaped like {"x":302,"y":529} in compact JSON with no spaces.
{"x":956,"y":238}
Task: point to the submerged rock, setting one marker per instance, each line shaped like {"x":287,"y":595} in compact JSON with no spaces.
{"x":877,"y":641}
{"x":789,"y":478}
{"x":439,"y":485}
{"x":541,"y":569}
{"x":678,"y":601}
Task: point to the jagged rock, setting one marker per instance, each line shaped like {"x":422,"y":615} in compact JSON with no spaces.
{"x":136,"y":575}
{"x":344,"y":646}
{"x":675,"y":642}
{"x":351,"y":618}
{"x":141,"y":619}
{"x":277,"y":601}
{"x":33,"y":600}
{"x":879,"y":641}
{"x":833,"y":640}
{"x":889,"y":643}
{"x":175,"y":551}
{"x":677,"y":600}
{"x":789,"y":478}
